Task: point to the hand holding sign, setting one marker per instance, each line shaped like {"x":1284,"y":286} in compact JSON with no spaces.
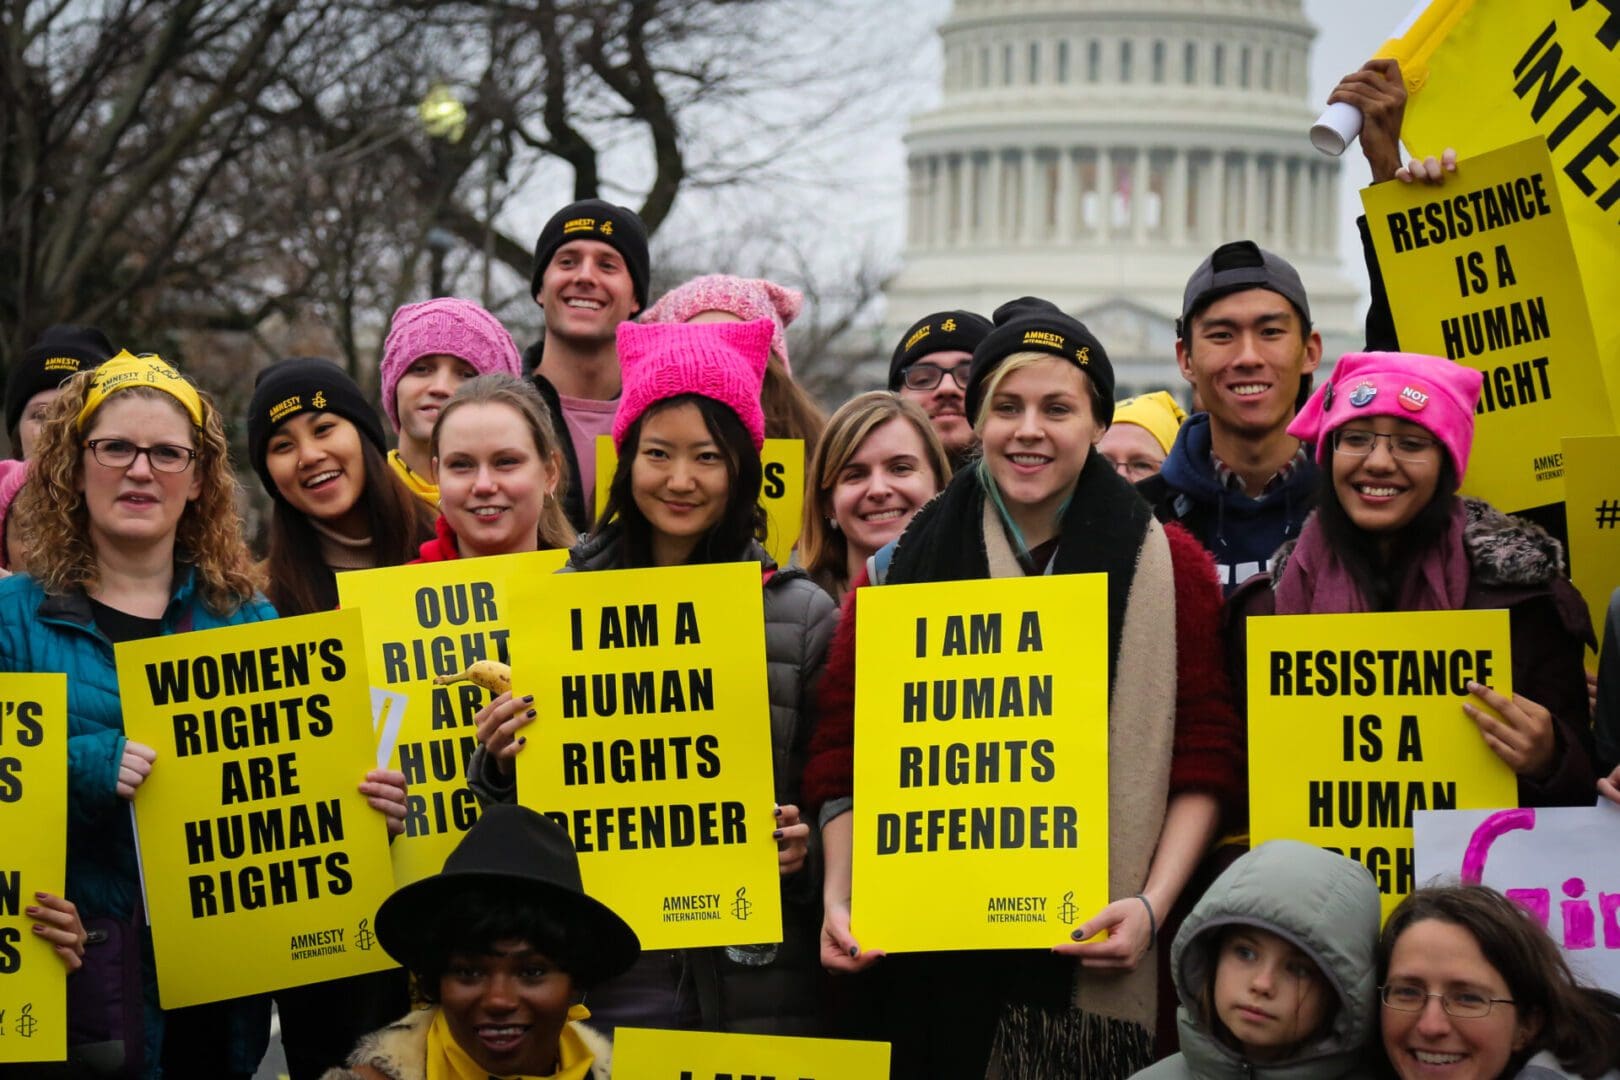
{"x":1609,"y":786}
{"x":60,"y":926}
{"x":1130,"y":933}
{"x":792,"y":839}
{"x":384,"y":790}
{"x":498,"y":724}
{"x":135,"y":767}
{"x":1523,"y":737}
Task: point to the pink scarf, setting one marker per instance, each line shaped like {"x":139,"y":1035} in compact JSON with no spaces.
{"x":1316,"y":582}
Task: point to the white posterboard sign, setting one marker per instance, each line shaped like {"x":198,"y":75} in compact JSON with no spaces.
{"x":1562,"y":864}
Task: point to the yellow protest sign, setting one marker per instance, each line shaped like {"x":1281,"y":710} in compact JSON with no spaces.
{"x":1486,"y":73}
{"x":981,"y":762}
{"x":653,"y":744}
{"x":1592,"y":505}
{"x":426,"y":621}
{"x":1356,"y":723}
{"x":647,"y":1054}
{"x":255,"y":842}
{"x":781,"y":494}
{"x":1481,"y":271}
{"x":33,"y":858}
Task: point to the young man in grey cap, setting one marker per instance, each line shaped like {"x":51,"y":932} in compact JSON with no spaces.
{"x":590,"y":274}
{"x":1235,"y":478}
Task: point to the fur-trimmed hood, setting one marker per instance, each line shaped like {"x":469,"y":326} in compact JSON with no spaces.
{"x":1504,"y":551}
{"x":399,"y":1051}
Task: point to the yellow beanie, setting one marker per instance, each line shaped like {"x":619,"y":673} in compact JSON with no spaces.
{"x":1157,"y":412}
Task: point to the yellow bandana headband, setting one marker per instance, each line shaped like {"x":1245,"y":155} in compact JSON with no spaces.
{"x":1158,"y":412}
{"x":126,"y":370}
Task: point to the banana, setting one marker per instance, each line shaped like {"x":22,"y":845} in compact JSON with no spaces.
{"x":492,"y":675}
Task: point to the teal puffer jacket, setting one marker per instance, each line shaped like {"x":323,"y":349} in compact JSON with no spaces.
{"x":40,"y":633}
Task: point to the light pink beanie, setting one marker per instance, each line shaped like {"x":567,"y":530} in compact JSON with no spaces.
{"x":12,"y":475}
{"x":721,"y":361}
{"x":448,"y":325}
{"x":746,"y":298}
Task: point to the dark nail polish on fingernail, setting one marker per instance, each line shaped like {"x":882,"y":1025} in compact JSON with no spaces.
{"x":528,"y":699}
{"x":777,"y":835}
{"x":523,"y":740}
{"x":777,"y":811}
{"x":853,"y":951}
{"x":530,"y":714}
{"x":1078,"y":935}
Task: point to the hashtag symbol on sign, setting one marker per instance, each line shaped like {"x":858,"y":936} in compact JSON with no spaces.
{"x":1608,"y":514}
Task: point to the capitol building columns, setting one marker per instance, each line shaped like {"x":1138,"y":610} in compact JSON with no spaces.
{"x":1094,"y":155}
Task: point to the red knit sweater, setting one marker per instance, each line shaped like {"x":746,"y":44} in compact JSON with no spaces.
{"x":1208,"y":749}
{"x":442,"y":548}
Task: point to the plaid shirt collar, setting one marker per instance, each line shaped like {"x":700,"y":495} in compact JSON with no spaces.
{"x":1229,"y":480}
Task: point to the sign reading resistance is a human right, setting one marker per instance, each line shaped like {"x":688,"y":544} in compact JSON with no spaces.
{"x":652,"y":744}
{"x":1356,"y":724}
{"x":981,"y":762}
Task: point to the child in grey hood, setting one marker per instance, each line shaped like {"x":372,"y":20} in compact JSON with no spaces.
{"x":1275,"y":970}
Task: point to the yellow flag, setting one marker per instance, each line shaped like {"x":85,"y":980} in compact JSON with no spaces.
{"x":781,"y":494}
{"x":33,"y":858}
{"x":647,"y":1054}
{"x":1592,"y":502}
{"x":263,"y":863}
{"x":1481,"y":271}
{"x":1356,"y":723}
{"x":653,"y":744}
{"x":981,"y":762}
{"x":427,"y":621}
{"x":1486,"y":73}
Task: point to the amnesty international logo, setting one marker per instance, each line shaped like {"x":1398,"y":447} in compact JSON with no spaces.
{"x":742,"y":907}
{"x":607,"y":228}
{"x":319,"y":400}
{"x":1068,"y":913}
{"x":26,"y":1024}
{"x":364,"y":939}
{"x":948,"y":325}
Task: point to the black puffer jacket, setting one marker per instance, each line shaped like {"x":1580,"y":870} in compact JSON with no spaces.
{"x":783,"y":997}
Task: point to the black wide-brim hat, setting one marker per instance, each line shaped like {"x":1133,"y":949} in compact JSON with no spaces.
{"x":510,"y":848}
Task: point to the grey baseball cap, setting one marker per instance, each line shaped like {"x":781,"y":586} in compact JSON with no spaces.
{"x":1234,"y":267}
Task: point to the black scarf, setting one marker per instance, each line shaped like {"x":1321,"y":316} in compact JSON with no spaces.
{"x":1101,"y":532}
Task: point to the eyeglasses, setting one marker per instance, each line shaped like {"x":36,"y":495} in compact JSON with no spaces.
{"x":1460,"y":1003}
{"x":1359,"y":443}
{"x":925,"y":376}
{"x":121,"y":454}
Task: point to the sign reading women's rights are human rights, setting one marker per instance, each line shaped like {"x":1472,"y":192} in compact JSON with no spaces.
{"x":981,"y":762}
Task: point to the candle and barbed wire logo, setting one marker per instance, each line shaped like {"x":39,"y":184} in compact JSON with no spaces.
{"x":364,"y":939}
{"x":1068,"y":912}
{"x":742,"y":907}
{"x":26,"y":1025}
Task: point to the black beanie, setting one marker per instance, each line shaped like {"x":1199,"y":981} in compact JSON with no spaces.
{"x":943,"y":331}
{"x":593,"y":219}
{"x":304,"y":384}
{"x":1029,"y":324}
{"x":60,"y":353}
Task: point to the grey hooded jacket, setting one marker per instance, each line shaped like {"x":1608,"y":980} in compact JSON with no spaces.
{"x":1324,"y":904}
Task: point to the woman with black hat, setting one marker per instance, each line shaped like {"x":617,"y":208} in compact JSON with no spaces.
{"x":502,"y":945}
{"x":35,"y":381}
{"x":319,"y":450}
{"x":1042,"y":500}
{"x":318,"y":447}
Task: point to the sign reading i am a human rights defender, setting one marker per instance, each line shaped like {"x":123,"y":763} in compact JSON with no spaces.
{"x":263,"y":862}
{"x":781,"y":493}
{"x":649,"y":1054}
{"x":33,"y":858}
{"x":1481,"y":270}
{"x":652,"y":747}
{"x":1356,"y":724}
{"x":429,"y":621}
{"x":981,"y":762}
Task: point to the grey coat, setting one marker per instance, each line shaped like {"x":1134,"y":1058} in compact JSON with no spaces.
{"x":783,"y":997}
{"x":1328,"y":907}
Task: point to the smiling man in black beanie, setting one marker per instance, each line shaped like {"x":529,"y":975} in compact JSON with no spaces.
{"x":34,"y":381}
{"x":930,"y":367}
{"x":591,"y":268}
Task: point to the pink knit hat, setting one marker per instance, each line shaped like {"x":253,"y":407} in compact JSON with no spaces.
{"x":449,"y":325}
{"x":721,"y":361}
{"x":746,"y":298}
{"x":1438,"y":394}
{"x":12,"y":475}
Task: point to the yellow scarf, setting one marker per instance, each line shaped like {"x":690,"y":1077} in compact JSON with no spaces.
{"x":446,"y":1060}
{"x":428,"y":493}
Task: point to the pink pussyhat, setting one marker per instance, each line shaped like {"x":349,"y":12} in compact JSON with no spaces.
{"x":12,"y":475}
{"x":447,"y":325}
{"x":746,"y":298}
{"x":724,"y":362}
{"x":1437,"y":394}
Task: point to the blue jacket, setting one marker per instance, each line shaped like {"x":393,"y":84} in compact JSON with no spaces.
{"x":1240,"y":532}
{"x":40,"y":633}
